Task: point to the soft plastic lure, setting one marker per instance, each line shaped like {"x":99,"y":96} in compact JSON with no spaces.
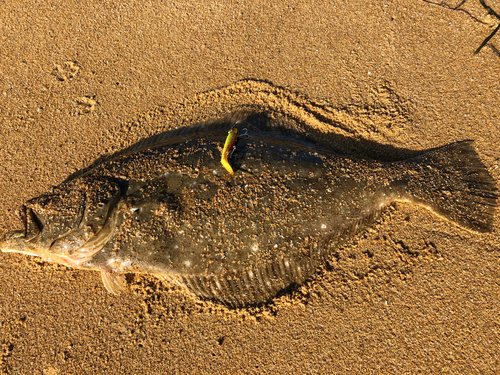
{"x":228,"y":145}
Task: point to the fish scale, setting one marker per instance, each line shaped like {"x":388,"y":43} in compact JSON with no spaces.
{"x":167,"y":207}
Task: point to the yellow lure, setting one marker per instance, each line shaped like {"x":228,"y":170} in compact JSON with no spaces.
{"x":228,"y":145}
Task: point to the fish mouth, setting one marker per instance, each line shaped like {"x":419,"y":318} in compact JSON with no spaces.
{"x":14,"y":242}
{"x":18,"y":241}
{"x":28,"y":241}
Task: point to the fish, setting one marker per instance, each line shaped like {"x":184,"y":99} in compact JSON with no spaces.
{"x":168,"y":207}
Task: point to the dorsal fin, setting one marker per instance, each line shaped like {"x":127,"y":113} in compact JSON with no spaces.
{"x":257,"y":120}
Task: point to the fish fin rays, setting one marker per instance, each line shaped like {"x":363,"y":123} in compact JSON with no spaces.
{"x":453,"y":182}
{"x":113,"y":282}
{"x":260,"y":284}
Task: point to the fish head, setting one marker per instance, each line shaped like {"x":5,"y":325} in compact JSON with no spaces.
{"x":68,"y":224}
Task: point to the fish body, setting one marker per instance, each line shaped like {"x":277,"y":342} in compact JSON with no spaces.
{"x":167,"y":207}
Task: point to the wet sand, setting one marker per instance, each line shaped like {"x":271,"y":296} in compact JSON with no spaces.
{"x":414,"y":294}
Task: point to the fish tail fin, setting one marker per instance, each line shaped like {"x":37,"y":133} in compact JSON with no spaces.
{"x":453,"y":182}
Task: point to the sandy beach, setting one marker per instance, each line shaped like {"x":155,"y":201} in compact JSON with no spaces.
{"x":413,"y":294}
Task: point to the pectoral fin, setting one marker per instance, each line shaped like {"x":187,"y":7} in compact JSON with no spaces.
{"x":113,"y":282}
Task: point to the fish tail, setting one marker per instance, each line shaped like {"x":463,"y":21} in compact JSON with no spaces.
{"x":453,"y":182}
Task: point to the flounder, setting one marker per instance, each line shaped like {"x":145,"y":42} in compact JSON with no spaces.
{"x":167,"y":207}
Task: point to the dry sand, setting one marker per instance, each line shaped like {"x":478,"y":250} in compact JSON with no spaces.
{"x":415,"y":294}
